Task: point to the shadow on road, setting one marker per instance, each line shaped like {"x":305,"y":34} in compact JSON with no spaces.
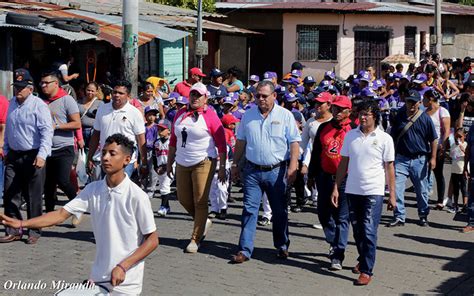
{"x":463,"y":284}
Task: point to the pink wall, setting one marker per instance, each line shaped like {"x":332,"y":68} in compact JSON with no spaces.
{"x":345,"y":47}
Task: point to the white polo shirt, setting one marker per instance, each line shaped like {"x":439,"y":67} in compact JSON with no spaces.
{"x":367,"y":156}
{"x":120,"y":217}
{"x":127,"y":121}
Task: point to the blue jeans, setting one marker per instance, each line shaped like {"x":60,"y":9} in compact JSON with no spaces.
{"x":273,"y":183}
{"x":365,"y":212}
{"x":470,"y":204}
{"x":418,"y":171}
{"x":335,"y":221}
{"x":2,"y":177}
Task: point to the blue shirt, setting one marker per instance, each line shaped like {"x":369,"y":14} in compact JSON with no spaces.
{"x":268,"y":139}
{"x":29,"y":126}
{"x":470,"y":143}
{"x":417,"y":139}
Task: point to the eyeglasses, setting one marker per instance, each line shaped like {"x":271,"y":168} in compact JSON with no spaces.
{"x":46,"y":82}
{"x":365,"y":114}
{"x":258,"y":96}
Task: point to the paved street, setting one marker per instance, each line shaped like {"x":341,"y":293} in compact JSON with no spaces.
{"x":410,"y":259}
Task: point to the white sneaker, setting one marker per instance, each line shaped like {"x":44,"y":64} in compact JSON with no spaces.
{"x":447,"y":202}
{"x":317,"y":226}
{"x":206,"y":229}
{"x":163,"y":211}
{"x":192,"y":247}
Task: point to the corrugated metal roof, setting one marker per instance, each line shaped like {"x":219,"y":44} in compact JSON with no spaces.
{"x":190,"y":23}
{"x":111,"y":33}
{"x":145,"y":7}
{"x":50,"y":30}
{"x":145,"y":26}
{"x":362,"y":7}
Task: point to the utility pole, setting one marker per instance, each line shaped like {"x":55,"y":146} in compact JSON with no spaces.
{"x":439,"y":37}
{"x":130,"y":43}
{"x":199,"y":31}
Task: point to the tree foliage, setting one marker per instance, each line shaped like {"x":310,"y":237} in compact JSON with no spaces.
{"x":207,"y":5}
{"x":463,"y":2}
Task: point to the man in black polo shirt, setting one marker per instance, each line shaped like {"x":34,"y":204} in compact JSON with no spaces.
{"x":415,"y":149}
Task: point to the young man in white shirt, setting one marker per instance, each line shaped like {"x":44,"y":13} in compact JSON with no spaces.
{"x":367,"y":155}
{"x":121,"y":216}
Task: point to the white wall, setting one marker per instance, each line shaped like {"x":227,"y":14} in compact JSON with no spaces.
{"x":345,"y":47}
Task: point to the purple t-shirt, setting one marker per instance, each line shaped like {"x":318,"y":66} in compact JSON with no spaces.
{"x":151,"y":134}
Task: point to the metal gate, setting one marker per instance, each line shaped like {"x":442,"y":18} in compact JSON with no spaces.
{"x":370,"y":48}
{"x":410,"y":40}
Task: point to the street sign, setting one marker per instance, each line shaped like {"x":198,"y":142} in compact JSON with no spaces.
{"x":201,"y":48}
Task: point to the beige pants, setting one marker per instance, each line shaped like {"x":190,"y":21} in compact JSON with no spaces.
{"x":192,"y":186}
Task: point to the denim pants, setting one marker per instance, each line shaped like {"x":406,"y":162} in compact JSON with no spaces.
{"x":365,"y":212}
{"x":273,"y":183}
{"x":418,"y":171}
{"x":470,"y":204}
{"x":335,"y":221}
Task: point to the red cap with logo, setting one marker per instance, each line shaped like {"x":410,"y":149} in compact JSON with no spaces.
{"x":324,"y":97}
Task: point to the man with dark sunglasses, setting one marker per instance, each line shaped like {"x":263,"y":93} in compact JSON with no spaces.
{"x":28,"y":139}
{"x":270,"y":138}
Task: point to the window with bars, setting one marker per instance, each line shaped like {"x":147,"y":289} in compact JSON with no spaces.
{"x":447,"y":35}
{"x":317,"y":43}
{"x":410,"y":40}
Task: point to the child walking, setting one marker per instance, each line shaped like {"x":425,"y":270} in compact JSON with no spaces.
{"x":219,"y":191}
{"x":160,"y":160}
{"x":457,"y":178}
{"x":151,"y":134}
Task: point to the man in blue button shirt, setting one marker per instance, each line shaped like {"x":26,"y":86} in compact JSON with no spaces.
{"x":415,"y":156}
{"x":28,"y":140}
{"x":269,"y":136}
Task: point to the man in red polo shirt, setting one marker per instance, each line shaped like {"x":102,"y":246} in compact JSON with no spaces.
{"x":195,"y":76}
{"x":325,"y":159}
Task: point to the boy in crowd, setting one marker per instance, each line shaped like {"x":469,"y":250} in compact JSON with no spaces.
{"x":151,"y":134}
{"x":160,"y":160}
{"x":123,"y":242}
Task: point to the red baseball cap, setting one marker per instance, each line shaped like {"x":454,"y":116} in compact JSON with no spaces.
{"x":324,"y":97}
{"x":342,"y":101}
{"x":196,"y":71}
{"x":229,"y":119}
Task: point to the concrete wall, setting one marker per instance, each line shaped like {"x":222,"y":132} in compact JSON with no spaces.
{"x":464,"y":40}
{"x":344,"y":66}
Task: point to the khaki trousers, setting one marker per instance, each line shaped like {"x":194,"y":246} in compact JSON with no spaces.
{"x":193,"y":185}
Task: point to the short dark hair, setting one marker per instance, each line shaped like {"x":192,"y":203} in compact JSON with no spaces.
{"x":234,"y":71}
{"x":53,"y":73}
{"x":373,"y":107}
{"x":124,"y":83}
{"x":266,"y":83}
{"x":121,"y":140}
{"x":429,"y":68}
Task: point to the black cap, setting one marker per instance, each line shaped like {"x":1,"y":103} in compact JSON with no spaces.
{"x":413,"y":95}
{"x":297,"y":66}
{"x":22,"y":78}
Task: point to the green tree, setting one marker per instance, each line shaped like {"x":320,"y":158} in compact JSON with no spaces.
{"x":207,"y":5}
{"x":464,"y":2}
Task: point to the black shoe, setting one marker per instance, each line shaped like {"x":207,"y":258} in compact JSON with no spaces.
{"x":222,"y":215}
{"x":395,"y":223}
{"x":296,"y":209}
{"x":423,"y":222}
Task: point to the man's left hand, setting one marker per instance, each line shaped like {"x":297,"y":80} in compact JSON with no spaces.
{"x":291,"y":175}
{"x":39,"y":162}
{"x":117,"y":276}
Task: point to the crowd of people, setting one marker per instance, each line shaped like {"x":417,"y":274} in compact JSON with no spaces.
{"x":340,"y":144}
